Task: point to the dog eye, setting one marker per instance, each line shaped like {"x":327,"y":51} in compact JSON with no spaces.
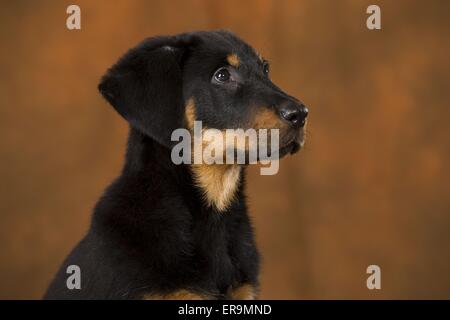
{"x":266,"y":67}
{"x":222,"y":75}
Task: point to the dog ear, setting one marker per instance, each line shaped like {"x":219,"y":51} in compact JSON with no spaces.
{"x":145,"y":86}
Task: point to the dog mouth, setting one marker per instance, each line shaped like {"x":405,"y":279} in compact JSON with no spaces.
{"x":290,"y":148}
{"x":289,"y":143}
{"x":293,"y":145}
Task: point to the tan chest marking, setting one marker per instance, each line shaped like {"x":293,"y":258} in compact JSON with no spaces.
{"x":219,"y":183}
{"x":244,"y":292}
{"x":182,"y":294}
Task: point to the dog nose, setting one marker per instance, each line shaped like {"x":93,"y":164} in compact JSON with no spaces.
{"x":294,"y":114}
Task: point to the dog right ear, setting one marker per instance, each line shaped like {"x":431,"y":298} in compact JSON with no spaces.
{"x":145,"y":86}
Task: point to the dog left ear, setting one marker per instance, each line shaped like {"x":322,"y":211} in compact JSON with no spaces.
{"x":145,"y":86}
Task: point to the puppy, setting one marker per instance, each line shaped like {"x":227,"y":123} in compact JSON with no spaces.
{"x":180,"y":231}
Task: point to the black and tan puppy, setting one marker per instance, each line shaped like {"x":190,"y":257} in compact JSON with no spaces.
{"x":167,"y":231}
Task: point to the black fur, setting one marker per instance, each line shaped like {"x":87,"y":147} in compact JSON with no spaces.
{"x":151,"y":231}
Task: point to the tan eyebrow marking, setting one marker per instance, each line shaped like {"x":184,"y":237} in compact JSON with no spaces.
{"x":233,"y":60}
{"x":190,"y":113}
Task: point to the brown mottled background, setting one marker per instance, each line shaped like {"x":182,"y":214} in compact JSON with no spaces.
{"x":371,"y":187}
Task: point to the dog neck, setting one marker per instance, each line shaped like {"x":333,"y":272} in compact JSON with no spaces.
{"x":217,"y":184}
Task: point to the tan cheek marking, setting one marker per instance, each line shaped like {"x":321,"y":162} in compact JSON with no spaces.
{"x":244,"y":292}
{"x":190,"y":113}
{"x":233,"y":60}
{"x":177,"y":295}
{"x":267,"y":119}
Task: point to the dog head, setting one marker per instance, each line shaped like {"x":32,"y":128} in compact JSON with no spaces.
{"x":168,"y":82}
